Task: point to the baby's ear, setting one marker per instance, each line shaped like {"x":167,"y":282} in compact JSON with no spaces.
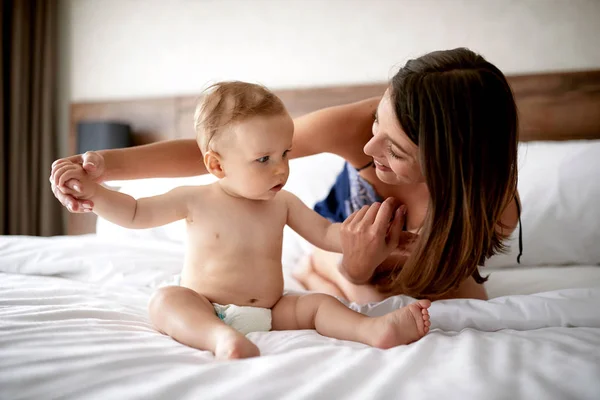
{"x":212,"y":161}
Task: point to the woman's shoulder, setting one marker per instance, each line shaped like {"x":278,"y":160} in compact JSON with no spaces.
{"x":342,"y":130}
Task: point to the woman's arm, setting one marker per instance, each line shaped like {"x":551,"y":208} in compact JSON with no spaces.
{"x":171,"y":158}
{"x":341,"y":130}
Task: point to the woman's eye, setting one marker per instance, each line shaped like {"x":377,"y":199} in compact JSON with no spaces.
{"x":392,"y":154}
{"x":263,"y":160}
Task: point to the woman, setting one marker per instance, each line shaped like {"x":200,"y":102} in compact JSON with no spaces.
{"x":442,"y":141}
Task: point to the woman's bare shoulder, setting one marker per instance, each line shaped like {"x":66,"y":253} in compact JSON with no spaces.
{"x":341,"y":130}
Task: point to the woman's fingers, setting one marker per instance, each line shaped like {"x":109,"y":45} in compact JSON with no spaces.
{"x":396,"y":228}
{"x":69,"y":160}
{"x":93,"y":163}
{"x":60,"y":171}
{"x":58,"y":164}
{"x":66,"y":200}
{"x":360,"y":214}
{"x":67,"y":190}
{"x":384,"y":216}
{"x":71,"y":174}
{"x":371,"y":213}
{"x":73,"y":185}
{"x":65,"y":185}
{"x":350,"y":218}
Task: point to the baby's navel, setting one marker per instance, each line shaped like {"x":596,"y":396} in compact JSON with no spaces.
{"x":217,"y":235}
{"x":252,"y":301}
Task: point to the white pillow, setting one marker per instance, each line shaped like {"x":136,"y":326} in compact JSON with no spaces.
{"x":559,"y":185}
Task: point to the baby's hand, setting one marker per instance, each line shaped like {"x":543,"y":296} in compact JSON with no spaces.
{"x":83,"y":187}
{"x":92,"y":162}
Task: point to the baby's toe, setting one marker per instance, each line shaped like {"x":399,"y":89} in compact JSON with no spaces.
{"x":424,"y":304}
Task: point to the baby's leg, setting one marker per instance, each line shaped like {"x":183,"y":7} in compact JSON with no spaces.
{"x":331,"y":318}
{"x":190,"y":318}
{"x":319,"y":273}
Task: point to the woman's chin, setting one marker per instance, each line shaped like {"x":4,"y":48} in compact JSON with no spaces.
{"x":388,"y":177}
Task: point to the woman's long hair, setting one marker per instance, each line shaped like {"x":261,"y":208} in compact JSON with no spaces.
{"x":459,"y":109}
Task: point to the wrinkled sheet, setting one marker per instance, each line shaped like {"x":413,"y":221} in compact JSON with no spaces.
{"x":74,"y":324}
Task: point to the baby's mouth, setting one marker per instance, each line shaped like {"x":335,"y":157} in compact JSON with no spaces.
{"x":277,"y":188}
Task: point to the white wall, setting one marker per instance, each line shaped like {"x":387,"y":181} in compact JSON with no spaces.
{"x":136,"y":48}
{"x":131,"y":48}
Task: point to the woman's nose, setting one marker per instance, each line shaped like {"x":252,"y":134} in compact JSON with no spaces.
{"x":371,"y":147}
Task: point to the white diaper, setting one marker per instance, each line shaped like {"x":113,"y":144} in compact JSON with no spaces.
{"x":242,"y":319}
{"x":245,"y":319}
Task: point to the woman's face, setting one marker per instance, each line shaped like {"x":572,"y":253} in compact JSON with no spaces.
{"x":396,"y":156}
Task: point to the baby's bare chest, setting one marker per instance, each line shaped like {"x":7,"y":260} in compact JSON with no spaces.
{"x":237,"y":224}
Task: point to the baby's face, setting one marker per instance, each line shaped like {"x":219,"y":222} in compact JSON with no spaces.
{"x":255,"y":160}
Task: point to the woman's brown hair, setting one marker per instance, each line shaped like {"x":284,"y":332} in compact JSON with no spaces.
{"x":459,"y":109}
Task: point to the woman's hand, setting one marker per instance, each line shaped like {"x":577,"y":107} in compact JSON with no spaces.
{"x":398,"y":257}
{"x":66,"y":178}
{"x":368,"y":237}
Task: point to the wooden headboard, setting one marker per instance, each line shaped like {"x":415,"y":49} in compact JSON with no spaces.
{"x":552,"y":106}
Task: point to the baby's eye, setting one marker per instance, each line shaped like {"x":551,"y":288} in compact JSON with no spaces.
{"x":285,"y":153}
{"x":263,"y":160}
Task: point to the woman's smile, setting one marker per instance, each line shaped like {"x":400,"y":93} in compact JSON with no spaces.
{"x":381,"y":167}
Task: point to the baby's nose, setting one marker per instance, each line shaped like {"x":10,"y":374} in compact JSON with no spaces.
{"x":280,"y":169}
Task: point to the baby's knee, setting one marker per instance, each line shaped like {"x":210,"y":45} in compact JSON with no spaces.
{"x":160,"y":299}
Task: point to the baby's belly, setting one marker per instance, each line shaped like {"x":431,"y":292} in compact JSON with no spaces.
{"x":244,"y":283}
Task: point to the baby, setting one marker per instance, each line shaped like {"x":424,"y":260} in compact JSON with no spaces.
{"x":232,"y":270}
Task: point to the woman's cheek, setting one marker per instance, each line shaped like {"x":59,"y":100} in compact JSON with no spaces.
{"x":403,"y":170}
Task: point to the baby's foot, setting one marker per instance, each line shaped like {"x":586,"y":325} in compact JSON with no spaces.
{"x":234,"y":345}
{"x":402,"y":326}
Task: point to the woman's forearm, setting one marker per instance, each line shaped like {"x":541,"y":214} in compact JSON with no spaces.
{"x":171,"y":158}
{"x":357,"y":274}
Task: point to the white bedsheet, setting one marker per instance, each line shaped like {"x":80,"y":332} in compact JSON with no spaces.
{"x":83,"y":332}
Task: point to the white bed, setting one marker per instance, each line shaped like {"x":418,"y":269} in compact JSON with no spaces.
{"x":74,"y":324}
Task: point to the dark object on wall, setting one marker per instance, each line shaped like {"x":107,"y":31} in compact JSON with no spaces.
{"x":102,"y":135}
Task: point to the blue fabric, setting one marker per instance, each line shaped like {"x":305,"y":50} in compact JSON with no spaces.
{"x":349,"y":193}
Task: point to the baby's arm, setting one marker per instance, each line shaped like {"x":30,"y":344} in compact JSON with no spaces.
{"x":124,"y":210}
{"x":312,"y":226}
{"x":148,"y":212}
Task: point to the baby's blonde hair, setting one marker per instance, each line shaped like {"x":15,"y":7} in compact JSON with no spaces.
{"x":225,"y":103}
